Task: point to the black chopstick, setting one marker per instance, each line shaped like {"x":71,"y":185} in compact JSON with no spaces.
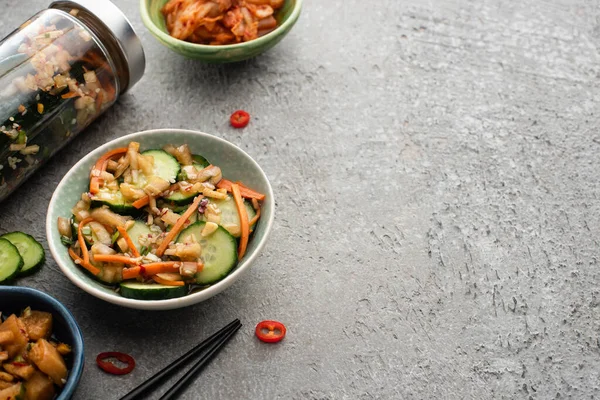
{"x":171,"y":368}
{"x":213,"y":351}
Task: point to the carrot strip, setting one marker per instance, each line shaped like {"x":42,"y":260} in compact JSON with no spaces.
{"x":151,"y":269}
{"x":139,"y":203}
{"x":115,"y":258}
{"x":160,"y":267}
{"x":244,"y":190}
{"x":127,"y":238}
{"x":178,"y":225}
{"x":81,"y":240}
{"x":89,"y":267}
{"x":167,"y":282}
{"x":108,"y":155}
{"x":94,"y":184}
{"x":101,"y":166}
{"x":245,"y":227}
{"x":131,"y":273}
{"x":70,"y":95}
{"x":256,"y":217}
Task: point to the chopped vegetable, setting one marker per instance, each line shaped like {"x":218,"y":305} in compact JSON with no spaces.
{"x":239,"y":119}
{"x":243,"y":220}
{"x":104,"y":362}
{"x":38,"y":324}
{"x":180,"y":222}
{"x":100,"y":166}
{"x":167,"y":282}
{"x":245,"y":192}
{"x":49,"y":361}
{"x":130,"y":244}
{"x":270,"y":331}
{"x":19,"y":336}
{"x":39,"y":386}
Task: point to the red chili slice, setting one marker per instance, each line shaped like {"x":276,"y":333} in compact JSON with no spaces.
{"x":270,"y":331}
{"x":19,"y":364}
{"x":103,"y":361}
{"x":239,"y":119}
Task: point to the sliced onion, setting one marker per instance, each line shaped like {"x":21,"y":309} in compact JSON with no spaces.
{"x":170,"y":276}
{"x":64,"y":227}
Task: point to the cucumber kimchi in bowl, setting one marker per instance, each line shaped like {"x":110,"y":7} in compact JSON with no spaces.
{"x":160,"y":219}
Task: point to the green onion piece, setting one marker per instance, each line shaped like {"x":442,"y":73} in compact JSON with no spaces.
{"x":66,"y":241}
{"x":19,"y":358}
{"x":115,"y":236}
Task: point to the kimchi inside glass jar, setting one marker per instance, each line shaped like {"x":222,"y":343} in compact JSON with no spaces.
{"x":56,"y":77}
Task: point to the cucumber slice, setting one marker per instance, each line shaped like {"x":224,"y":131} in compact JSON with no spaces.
{"x":109,"y":274}
{"x":181,"y":198}
{"x":10,"y":261}
{"x":230,"y":219}
{"x":88,"y":234}
{"x":200,"y":161}
{"x":115,"y":201}
{"x":219,"y":252}
{"x":165,"y":165}
{"x":138,"y":229}
{"x":151,"y":291}
{"x":30,"y":250}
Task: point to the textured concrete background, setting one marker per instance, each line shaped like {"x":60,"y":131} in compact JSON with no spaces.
{"x":436,"y":235}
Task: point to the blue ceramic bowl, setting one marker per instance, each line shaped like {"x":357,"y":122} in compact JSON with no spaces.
{"x":14,"y":299}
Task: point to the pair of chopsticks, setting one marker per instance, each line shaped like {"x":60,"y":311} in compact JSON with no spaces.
{"x":211,"y":346}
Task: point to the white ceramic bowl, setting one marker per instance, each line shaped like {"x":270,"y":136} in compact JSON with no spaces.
{"x":235,"y":164}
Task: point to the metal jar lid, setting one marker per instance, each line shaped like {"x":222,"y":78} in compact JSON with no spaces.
{"x":119,"y":27}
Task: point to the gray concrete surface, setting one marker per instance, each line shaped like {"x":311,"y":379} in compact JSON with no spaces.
{"x":436,"y":234}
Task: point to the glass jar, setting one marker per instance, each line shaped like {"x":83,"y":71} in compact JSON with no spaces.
{"x":59,"y":71}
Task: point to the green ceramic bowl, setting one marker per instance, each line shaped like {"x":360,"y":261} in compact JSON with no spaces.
{"x":155,"y":22}
{"x":235,"y":164}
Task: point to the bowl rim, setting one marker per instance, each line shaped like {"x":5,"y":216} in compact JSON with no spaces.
{"x":79,"y":355}
{"x":157,"y":32}
{"x":168,"y":304}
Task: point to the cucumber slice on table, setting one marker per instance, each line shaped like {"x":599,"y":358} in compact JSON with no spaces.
{"x":151,"y":291}
{"x":10,"y":261}
{"x":138,"y":229}
{"x":219,"y":252}
{"x":230,"y":219}
{"x":165,"y":165}
{"x":31,"y":251}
